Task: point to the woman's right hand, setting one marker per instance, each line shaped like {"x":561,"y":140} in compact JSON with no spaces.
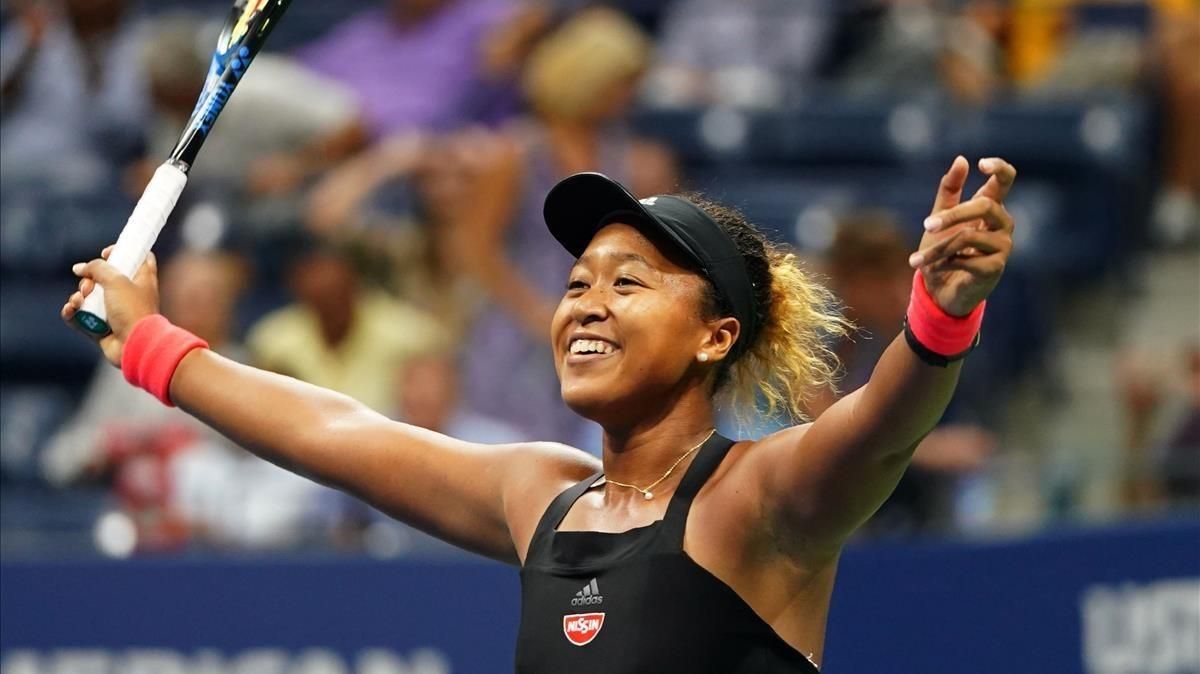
{"x":126,"y":301}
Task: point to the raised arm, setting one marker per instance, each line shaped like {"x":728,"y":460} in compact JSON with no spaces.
{"x":475,"y":496}
{"x":492,"y":166}
{"x":826,"y":478}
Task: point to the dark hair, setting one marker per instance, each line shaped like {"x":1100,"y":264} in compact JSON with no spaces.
{"x":753,"y":245}
{"x":868,"y":243}
{"x":798,"y":317}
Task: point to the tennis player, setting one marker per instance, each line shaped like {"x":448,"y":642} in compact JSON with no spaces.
{"x":681,"y":550}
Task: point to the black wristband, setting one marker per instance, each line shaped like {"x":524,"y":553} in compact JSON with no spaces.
{"x":933,"y":358}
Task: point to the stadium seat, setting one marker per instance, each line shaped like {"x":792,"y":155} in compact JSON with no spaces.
{"x":827,"y":131}
{"x":1112,"y":135}
{"x":42,"y":231}
{"x":29,"y":415}
{"x":35,"y":345}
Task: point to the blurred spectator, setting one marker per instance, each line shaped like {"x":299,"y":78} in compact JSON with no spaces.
{"x":749,"y":53}
{"x":428,"y":396}
{"x":416,"y":64}
{"x":178,"y":480}
{"x":580,"y":82}
{"x":198,"y":294}
{"x":1176,"y":215}
{"x":506,"y":48}
{"x":1163,"y":441}
{"x":399,"y":202}
{"x":912,"y":47}
{"x":72,"y":90}
{"x":339,"y":335}
{"x":1054,"y":51}
{"x":1051,"y":50}
{"x":868,"y":268}
{"x":272,"y":136}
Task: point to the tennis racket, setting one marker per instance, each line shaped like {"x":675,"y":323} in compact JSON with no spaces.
{"x":245,"y":30}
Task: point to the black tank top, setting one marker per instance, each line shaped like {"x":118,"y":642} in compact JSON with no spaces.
{"x":635,"y":601}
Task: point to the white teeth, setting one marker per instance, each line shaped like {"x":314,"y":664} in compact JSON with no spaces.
{"x":590,"y":346}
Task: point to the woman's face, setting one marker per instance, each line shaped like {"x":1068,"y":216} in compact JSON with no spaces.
{"x":628,"y":328}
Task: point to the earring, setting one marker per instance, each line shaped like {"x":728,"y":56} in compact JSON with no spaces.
{"x":702,"y":357}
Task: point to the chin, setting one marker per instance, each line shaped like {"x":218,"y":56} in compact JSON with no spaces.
{"x":585,"y":398}
{"x":595,"y":401}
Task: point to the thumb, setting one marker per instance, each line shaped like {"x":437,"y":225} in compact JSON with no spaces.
{"x":99,"y":271}
{"x":148,"y":272}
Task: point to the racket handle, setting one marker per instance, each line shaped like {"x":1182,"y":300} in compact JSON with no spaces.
{"x":139,"y":234}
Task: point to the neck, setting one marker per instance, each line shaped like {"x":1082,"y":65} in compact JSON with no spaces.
{"x":335,"y":326}
{"x":640,"y":453}
{"x":406,"y":17}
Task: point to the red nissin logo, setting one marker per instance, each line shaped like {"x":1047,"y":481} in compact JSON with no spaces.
{"x":581,"y":628}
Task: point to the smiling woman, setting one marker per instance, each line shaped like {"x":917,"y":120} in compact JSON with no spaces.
{"x":707,"y":261}
{"x":680,"y":551}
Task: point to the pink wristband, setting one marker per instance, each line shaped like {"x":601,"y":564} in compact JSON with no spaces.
{"x":152,"y":351}
{"x":936,"y":330}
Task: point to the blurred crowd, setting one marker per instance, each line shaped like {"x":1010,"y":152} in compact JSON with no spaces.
{"x":366,"y":216}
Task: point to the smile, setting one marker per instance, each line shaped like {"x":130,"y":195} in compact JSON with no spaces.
{"x":589,"y":350}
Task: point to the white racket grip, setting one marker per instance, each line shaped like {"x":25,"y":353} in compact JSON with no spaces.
{"x":141,"y":230}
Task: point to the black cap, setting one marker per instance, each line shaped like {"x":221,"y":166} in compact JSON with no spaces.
{"x":578,"y":206}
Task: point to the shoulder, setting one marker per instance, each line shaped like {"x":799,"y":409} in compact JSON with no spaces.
{"x":747,"y":471}
{"x":282,"y":324}
{"x":785,"y":439}
{"x":542,"y":471}
{"x":401,"y":324}
{"x":760,"y":459}
{"x":369,"y":24}
{"x":284,"y":82}
{"x":552,"y":463}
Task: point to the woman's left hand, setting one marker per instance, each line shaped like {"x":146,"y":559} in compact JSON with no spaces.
{"x":966,"y":245}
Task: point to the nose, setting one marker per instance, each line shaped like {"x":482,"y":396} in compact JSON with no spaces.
{"x":591,"y":306}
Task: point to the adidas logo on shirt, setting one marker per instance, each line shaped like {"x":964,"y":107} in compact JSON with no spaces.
{"x":589,"y":595}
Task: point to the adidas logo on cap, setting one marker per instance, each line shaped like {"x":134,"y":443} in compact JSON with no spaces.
{"x":589,"y":595}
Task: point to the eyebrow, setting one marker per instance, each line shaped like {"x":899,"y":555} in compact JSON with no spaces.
{"x":618,"y":257}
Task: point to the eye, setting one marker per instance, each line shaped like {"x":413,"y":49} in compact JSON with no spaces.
{"x":626,"y":281}
{"x":576,"y":285}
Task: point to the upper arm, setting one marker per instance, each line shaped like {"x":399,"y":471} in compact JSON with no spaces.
{"x":823,"y":480}
{"x":821,"y":487}
{"x":483,"y":498}
{"x":479,"y":497}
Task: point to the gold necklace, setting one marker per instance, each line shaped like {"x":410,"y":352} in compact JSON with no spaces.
{"x":646,"y":493}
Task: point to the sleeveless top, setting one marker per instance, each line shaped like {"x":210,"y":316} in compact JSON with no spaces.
{"x":635,"y":601}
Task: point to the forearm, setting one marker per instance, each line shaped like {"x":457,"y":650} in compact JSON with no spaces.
{"x":903,"y":400}
{"x":831,"y":476}
{"x":341,"y":193}
{"x":332,"y":148}
{"x":499,"y":277}
{"x":283,"y":420}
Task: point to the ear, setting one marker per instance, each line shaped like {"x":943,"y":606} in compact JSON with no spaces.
{"x":723,"y":332}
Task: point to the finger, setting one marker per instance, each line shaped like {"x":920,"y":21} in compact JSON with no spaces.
{"x":98,"y":270}
{"x":1001,"y":176}
{"x":86,"y":285}
{"x":960,"y":243}
{"x":987,"y":265}
{"x":993,"y":214}
{"x":107,"y":251}
{"x":950,"y":189}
